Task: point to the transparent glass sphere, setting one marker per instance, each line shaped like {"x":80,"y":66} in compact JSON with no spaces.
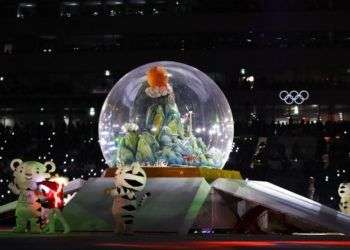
{"x":166,"y":113}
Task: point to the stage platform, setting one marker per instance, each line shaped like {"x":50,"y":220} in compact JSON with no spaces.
{"x":186,"y":199}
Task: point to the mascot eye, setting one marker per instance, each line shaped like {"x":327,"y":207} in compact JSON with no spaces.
{"x":139,"y":174}
{"x":37,"y":172}
{"x":128,"y":172}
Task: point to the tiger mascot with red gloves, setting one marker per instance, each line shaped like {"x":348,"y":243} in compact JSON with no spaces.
{"x":52,"y":200}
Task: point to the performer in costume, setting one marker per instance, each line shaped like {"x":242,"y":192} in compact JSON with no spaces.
{"x":129,"y":180}
{"x":53,"y":202}
{"x":28,"y":208}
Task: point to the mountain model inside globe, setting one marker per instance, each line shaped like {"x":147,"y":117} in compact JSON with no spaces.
{"x":156,"y":132}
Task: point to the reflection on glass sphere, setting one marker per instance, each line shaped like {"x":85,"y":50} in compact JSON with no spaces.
{"x":166,"y":113}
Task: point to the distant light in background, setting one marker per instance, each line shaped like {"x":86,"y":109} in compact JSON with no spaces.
{"x":295,"y":110}
{"x":250,"y":79}
{"x":70,"y":3}
{"x":28,"y":5}
{"x":47,"y":50}
{"x":107,"y":72}
{"x":242,"y":71}
{"x":140,"y":2}
{"x":92,"y":111}
{"x":2,"y":78}
{"x":25,"y":9}
{"x":155,"y":11}
{"x":69,"y":9}
{"x":114,"y":2}
{"x":66,"y":120}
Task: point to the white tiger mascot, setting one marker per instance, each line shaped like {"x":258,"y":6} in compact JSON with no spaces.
{"x":344,"y":193}
{"x":129,"y":180}
{"x":28,"y":208}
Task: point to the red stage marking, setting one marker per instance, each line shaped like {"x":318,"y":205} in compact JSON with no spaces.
{"x":334,"y":243}
{"x":203,"y":244}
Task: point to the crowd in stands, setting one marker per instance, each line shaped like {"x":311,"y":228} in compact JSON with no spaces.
{"x":293,"y":128}
{"x":290,"y":154}
{"x":54,"y":85}
{"x":239,"y":40}
{"x":156,"y":8}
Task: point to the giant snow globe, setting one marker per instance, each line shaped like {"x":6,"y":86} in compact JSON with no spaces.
{"x":166,"y":113}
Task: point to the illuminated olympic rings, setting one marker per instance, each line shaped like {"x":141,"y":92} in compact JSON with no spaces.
{"x":294,"y":97}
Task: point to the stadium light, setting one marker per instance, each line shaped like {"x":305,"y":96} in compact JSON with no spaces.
{"x":295,"y":110}
{"x":92,"y":111}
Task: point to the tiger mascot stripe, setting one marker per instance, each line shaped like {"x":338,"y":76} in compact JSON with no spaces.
{"x":129,"y":181}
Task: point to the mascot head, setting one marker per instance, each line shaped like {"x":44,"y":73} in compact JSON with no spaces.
{"x":132,"y":177}
{"x":30,"y":172}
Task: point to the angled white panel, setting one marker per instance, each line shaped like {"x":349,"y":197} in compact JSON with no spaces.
{"x":173,"y":205}
{"x":91,"y":208}
{"x":74,"y":186}
{"x":279,"y":199}
{"x":8,"y":207}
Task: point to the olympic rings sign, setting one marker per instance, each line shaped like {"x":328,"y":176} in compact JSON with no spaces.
{"x":294,"y":97}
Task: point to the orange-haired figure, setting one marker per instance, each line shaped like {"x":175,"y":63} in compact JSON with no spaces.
{"x":157,"y":77}
{"x":158,"y":82}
